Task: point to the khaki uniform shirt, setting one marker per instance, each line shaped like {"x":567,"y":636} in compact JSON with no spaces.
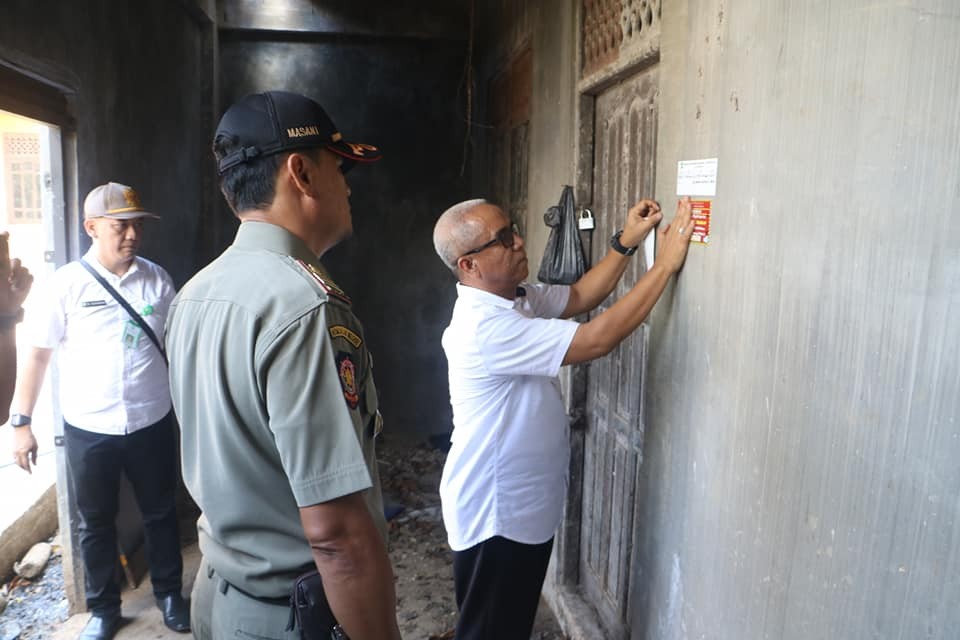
{"x":272,"y":384}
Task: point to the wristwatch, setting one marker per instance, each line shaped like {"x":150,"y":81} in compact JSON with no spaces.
{"x":7,"y":322}
{"x":20,"y":420}
{"x":619,"y":248}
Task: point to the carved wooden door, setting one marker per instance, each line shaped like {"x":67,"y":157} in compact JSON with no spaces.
{"x":625,"y":131}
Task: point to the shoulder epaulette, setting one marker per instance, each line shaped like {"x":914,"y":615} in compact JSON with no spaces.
{"x":328,"y":285}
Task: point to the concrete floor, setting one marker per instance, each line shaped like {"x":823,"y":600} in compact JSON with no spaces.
{"x":142,"y":619}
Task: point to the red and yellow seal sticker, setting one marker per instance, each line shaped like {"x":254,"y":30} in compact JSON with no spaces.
{"x":348,"y":379}
{"x":700,"y":218}
{"x":325,"y":282}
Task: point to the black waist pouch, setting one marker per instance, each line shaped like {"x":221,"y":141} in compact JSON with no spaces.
{"x":310,"y":611}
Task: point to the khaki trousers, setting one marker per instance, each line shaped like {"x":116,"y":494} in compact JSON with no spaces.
{"x":219,"y":612}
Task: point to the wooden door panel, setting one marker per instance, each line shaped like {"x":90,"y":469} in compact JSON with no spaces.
{"x":624,"y":154}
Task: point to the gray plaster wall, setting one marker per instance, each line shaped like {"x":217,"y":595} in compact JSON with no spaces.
{"x":137,"y":81}
{"x":401,"y":94}
{"x":800,"y":476}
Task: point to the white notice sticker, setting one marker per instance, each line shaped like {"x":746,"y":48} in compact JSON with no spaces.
{"x":697,"y":177}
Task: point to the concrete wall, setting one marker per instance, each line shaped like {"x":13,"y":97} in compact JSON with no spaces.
{"x":802,"y":474}
{"x":400,"y":92}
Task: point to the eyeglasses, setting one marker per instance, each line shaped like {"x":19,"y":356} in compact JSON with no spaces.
{"x":506,"y":237}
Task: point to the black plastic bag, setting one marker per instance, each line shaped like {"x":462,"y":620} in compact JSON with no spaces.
{"x":563,"y":261}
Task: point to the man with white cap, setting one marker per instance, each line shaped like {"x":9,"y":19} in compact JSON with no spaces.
{"x":103,"y":314}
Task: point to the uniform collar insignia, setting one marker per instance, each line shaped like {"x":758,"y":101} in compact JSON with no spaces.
{"x":325,"y":282}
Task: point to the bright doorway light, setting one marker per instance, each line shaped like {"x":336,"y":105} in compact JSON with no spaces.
{"x":31,"y":161}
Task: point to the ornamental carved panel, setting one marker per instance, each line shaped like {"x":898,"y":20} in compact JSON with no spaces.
{"x":616,"y":31}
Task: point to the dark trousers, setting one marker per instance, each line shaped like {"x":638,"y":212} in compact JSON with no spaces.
{"x":498,"y":585}
{"x":148,"y":458}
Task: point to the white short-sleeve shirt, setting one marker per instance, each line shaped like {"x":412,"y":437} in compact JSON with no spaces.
{"x":506,"y":472}
{"x":113,"y":380}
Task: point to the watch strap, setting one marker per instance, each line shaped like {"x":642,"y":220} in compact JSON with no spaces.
{"x":618,"y":247}
{"x":20,"y":420}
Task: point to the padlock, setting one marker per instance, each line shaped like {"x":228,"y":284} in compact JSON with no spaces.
{"x":585,"y":221}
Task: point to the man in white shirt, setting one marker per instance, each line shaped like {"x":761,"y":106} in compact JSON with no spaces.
{"x":115,"y":400}
{"x":504,"y":480}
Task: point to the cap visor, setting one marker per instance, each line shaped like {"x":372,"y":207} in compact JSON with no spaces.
{"x":130,"y":215}
{"x":355,"y":151}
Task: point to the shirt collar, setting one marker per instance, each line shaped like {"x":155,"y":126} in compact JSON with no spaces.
{"x":254,"y":234}
{"x":472,"y":294}
{"x":91,"y":257}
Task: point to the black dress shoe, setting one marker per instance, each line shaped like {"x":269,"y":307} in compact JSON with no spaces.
{"x":101,"y":627}
{"x":176,"y":612}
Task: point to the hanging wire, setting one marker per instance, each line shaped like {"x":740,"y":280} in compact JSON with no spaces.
{"x":467,"y":80}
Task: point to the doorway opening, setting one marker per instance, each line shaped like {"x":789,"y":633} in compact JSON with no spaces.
{"x":28,"y":176}
{"x":38,"y":210}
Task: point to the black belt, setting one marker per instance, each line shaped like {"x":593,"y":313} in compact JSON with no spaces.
{"x":225,"y":586}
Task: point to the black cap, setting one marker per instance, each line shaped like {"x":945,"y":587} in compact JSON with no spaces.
{"x":274,"y":121}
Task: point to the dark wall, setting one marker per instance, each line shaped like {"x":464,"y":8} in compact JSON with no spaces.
{"x":133,"y":73}
{"x":400,"y":94}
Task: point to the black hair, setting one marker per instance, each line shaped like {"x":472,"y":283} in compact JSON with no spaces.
{"x":251,"y":184}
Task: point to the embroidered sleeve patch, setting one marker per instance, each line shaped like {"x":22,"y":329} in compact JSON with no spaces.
{"x":348,"y":379}
{"x":340,"y":331}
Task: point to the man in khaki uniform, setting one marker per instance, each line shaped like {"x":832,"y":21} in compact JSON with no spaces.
{"x":272,"y":383}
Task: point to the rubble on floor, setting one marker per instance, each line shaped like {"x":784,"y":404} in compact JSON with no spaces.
{"x":37,"y":605}
{"x":34,"y":561}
